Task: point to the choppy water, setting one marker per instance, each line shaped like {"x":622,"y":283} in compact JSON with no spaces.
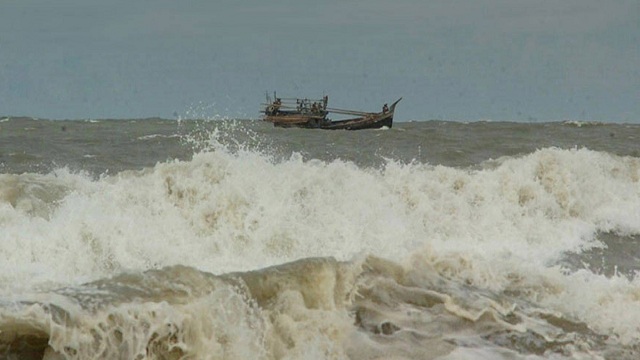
{"x":161,"y":239}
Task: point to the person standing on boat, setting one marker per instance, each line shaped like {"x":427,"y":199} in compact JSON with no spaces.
{"x":385,"y":109}
{"x":276,"y":105}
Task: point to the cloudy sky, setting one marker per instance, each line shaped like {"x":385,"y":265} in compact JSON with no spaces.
{"x":522,"y":60}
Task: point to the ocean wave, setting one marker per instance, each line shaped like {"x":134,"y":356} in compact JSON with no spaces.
{"x":314,"y":308}
{"x":578,"y":123}
{"x":461,"y":245}
{"x":155,"y":136}
{"x":234,"y":203}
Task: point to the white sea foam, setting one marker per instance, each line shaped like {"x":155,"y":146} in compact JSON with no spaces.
{"x":503,"y":228}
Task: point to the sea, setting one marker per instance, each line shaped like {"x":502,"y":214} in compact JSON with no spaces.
{"x":221,"y":238}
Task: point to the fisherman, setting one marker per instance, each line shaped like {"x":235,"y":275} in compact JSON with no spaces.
{"x":385,"y":109}
{"x":276,"y":106}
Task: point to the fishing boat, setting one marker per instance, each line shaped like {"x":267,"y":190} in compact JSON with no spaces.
{"x":313,"y":114}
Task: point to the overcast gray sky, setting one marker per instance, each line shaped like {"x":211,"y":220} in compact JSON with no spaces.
{"x":522,"y":60}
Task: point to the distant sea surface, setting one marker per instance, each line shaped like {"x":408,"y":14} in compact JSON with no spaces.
{"x":232,"y":239}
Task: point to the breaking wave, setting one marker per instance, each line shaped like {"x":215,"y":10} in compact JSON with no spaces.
{"x":240,"y":254}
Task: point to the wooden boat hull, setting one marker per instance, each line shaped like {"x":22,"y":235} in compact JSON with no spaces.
{"x":368,"y":122}
{"x":294,"y":120}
